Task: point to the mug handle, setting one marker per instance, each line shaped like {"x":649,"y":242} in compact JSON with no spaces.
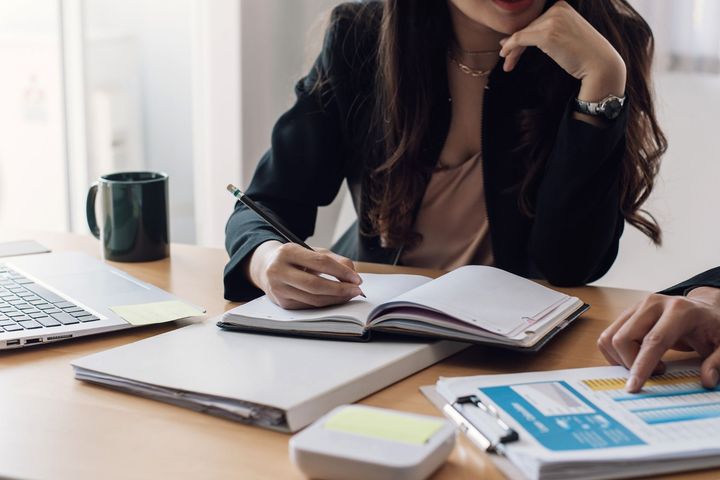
{"x":90,"y":210}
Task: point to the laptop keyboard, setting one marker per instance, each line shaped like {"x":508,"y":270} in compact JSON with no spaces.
{"x":25,"y":305}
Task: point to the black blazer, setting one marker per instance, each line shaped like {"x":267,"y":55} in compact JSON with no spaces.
{"x":710,"y":278}
{"x":322,"y":141}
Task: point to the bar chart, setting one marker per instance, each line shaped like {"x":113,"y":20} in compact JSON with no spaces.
{"x":670,"y":398}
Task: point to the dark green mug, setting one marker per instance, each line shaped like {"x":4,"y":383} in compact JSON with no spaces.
{"x":133,"y":216}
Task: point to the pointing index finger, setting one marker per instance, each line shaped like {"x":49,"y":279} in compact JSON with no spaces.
{"x":659,"y":340}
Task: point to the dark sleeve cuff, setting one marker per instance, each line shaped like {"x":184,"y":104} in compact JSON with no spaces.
{"x":582,"y":148}
{"x":710,"y":278}
{"x":237,"y":287}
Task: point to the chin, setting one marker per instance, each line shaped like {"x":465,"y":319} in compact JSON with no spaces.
{"x":504,"y":16}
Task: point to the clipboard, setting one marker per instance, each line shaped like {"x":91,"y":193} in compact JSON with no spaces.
{"x":481,"y":423}
{"x":479,"y":437}
{"x":576,"y":423}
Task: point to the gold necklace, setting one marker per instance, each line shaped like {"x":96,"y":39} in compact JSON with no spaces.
{"x":476,"y":53}
{"x":467,"y":70}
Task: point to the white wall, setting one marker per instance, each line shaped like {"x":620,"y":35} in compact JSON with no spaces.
{"x":687,"y":37}
{"x":280,"y":40}
{"x":33,"y":191}
{"x":217,"y":121}
{"x":140,"y":51}
{"x":685,"y":199}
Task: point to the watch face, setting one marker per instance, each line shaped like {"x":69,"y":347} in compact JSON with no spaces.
{"x":611,"y":108}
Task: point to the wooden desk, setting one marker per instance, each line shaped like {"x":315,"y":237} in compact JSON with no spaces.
{"x":52,"y":426}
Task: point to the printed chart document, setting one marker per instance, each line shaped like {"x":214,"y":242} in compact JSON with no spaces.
{"x":471,"y":304}
{"x":581,"y":423}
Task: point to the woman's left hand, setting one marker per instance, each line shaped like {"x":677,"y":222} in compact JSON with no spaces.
{"x":566,"y":37}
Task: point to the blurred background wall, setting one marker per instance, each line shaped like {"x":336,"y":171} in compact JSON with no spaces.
{"x":193,"y":87}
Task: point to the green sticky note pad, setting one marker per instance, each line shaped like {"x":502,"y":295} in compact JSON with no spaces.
{"x":384,"y":425}
{"x":156,"y":312}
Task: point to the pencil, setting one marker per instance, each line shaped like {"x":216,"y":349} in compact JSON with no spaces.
{"x":274,"y":223}
{"x":279,"y":228}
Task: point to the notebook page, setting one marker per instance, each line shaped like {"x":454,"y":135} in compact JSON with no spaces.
{"x":487,"y":297}
{"x":378,"y":288}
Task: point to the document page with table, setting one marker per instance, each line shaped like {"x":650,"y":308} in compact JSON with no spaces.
{"x":581,"y":423}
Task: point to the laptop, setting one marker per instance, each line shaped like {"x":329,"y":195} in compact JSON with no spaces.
{"x":58,"y":296}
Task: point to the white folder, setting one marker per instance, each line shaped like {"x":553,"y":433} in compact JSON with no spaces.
{"x":282,"y":383}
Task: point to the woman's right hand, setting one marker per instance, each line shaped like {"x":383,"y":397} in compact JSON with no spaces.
{"x":643,"y":333}
{"x":290,"y":275}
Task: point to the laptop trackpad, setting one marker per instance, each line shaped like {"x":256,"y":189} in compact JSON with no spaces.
{"x":97,"y":284}
{"x":86,"y":280}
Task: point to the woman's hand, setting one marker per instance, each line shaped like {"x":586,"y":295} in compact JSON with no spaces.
{"x":642,"y":334}
{"x":290,"y":275}
{"x":566,"y":37}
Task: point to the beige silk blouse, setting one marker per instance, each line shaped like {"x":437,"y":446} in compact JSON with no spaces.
{"x":453,"y":220}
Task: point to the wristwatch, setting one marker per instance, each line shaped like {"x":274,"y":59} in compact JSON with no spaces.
{"x":609,"y":107}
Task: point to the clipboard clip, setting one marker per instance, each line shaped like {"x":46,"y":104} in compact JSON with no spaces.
{"x":490,"y":438}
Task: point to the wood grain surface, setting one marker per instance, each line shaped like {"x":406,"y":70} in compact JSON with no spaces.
{"x":52,"y":426}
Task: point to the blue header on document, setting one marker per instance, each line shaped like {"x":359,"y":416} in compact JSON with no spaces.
{"x":559,"y":417}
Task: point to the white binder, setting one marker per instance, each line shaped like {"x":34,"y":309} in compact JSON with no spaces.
{"x":281,"y":383}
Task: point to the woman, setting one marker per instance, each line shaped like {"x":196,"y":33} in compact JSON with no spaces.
{"x":459,"y":128}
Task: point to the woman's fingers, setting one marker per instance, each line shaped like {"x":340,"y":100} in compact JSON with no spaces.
{"x":710,"y":370}
{"x":609,"y":356}
{"x":604,"y":342}
{"x":321,"y":262}
{"x":346,"y":262}
{"x":531,"y":36}
{"x":298,"y":278}
{"x":661,"y":337}
{"x":571,"y":42}
{"x":295,"y":289}
{"x":515,"y":45}
{"x":317,"y":285}
{"x":641,"y":335}
{"x":303,"y":299}
{"x":628,"y":338}
{"x":512,"y":59}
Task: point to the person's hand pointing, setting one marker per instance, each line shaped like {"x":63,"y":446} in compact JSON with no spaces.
{"x":642,"y":334}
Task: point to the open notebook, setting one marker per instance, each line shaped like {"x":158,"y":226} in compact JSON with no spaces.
{"x":472,"y":304}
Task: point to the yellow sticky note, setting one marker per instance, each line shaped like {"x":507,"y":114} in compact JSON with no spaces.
{"x":385,"y":425}
{"x":156,"y":312}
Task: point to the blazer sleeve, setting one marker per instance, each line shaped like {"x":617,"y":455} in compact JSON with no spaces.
{"x":710,"y":278}
{"x":578,"y":222}
{"x":303,"y":169}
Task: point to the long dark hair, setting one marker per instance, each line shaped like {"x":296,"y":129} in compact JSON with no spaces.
{"x":410,"y":49}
